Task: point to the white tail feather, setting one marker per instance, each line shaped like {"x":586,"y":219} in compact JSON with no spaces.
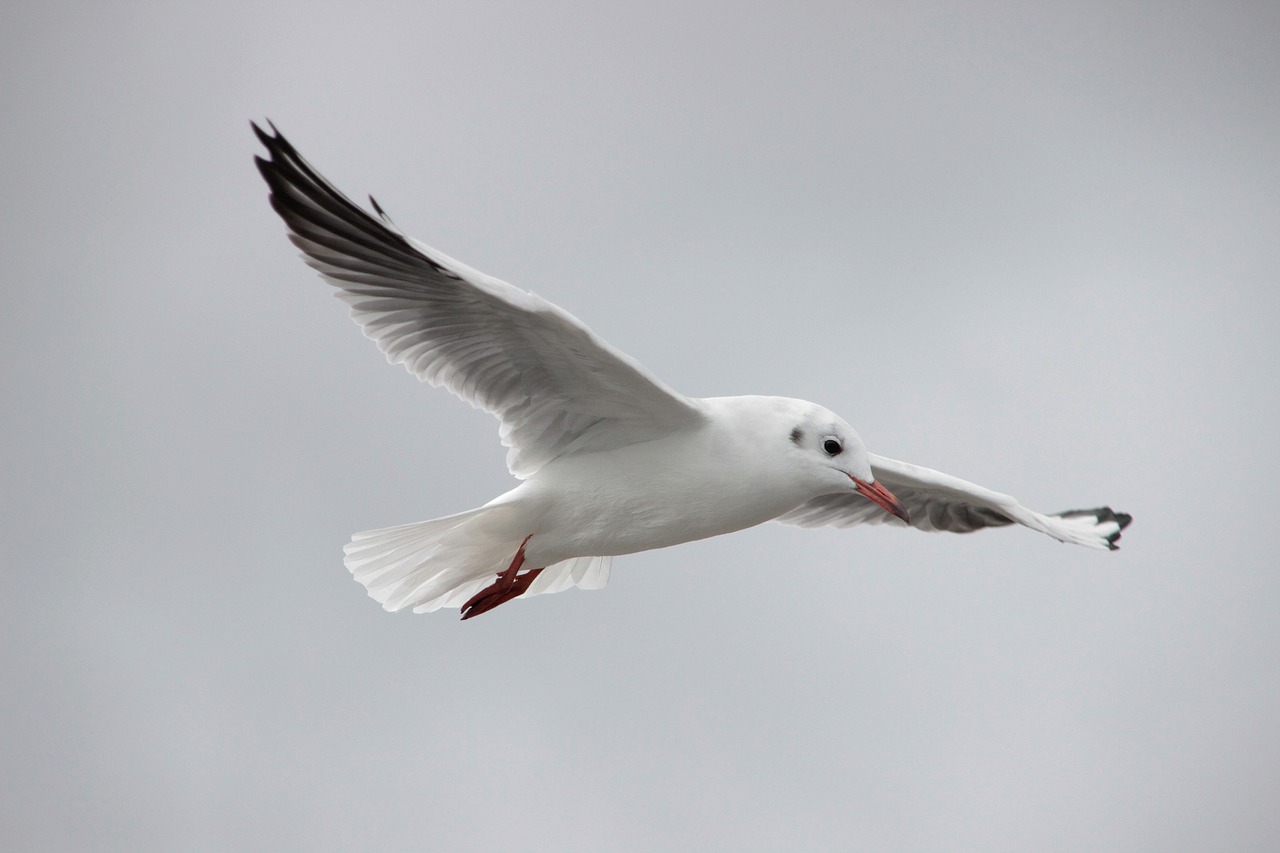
{"x":445,"y":561}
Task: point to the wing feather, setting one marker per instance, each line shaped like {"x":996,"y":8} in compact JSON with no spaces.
{"x":555,"y":387}
{"x":940,"y":502}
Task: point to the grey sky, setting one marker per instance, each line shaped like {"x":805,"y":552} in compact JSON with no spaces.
{"x":1036,"y":248}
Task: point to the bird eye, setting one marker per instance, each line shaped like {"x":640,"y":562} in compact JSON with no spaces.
{"x":832,"y":447}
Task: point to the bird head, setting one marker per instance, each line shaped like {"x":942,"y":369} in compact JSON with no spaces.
{"x":833,"y":454}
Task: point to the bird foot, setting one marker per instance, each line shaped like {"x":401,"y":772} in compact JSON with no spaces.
{"x":493,"y":595}
{"x":509,"y":584}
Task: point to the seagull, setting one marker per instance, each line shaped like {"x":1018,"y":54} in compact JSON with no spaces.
{"x":610,"y":459}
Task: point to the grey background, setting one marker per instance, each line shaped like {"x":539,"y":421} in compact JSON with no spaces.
{"x":1035,"y":247}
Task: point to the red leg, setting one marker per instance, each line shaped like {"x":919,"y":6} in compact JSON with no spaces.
{"x":509,"y":585}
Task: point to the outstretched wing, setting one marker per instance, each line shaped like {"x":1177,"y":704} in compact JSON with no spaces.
{"x":937,"y":501}
{"x":556,"y":388}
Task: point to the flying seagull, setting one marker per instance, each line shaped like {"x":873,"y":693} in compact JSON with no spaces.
{"x":611,"y":460}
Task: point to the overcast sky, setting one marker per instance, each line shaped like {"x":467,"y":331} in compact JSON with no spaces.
{"x":1033,"y":245}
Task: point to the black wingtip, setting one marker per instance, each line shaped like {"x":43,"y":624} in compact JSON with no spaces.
{"x":1102,"y":515}
{"x":275,"y":143}
{"x":318,"y":212}
{"x":1120,"y":518}
{"x":382,"y":214}
{"x":264,"y":137}
{"x":277,"y":146}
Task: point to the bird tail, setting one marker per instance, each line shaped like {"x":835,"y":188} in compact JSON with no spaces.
{"x":445,"y":561}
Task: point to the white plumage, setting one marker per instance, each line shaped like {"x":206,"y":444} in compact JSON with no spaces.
{"x":612,"y":461}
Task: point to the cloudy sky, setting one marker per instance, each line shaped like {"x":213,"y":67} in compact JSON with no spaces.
{"x":1038,"y":248}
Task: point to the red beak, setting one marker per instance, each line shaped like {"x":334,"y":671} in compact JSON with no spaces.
{"x":881,"y":496}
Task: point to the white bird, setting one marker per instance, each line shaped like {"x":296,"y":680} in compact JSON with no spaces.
{"x":611,"y":460}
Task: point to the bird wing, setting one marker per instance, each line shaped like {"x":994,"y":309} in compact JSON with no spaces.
{"x":937,"y":501}
{"x":556,"y":387}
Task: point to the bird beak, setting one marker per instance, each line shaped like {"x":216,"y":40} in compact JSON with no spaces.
{"x":881,"y":496}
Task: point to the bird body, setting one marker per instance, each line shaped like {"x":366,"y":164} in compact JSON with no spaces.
{"x":602,"y":503}
{"x":611,"y":460}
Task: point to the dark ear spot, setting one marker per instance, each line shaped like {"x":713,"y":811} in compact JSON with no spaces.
{"x":797,"y":436}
